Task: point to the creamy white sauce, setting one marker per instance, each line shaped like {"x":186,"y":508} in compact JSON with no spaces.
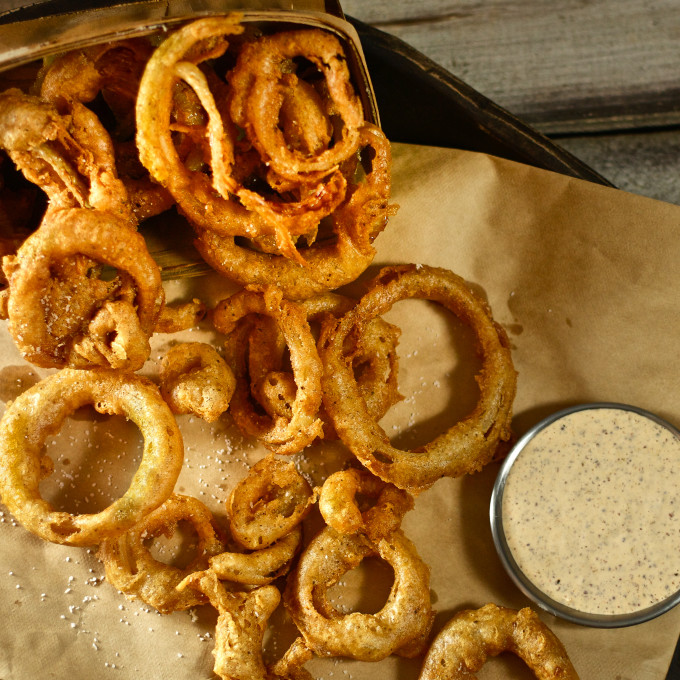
{"x":591,"y":511}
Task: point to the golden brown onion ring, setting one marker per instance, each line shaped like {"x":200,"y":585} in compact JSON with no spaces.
{"x":281,"y":435}
{"x":131,"y":568}
{"x":259,"y":88}
{"x":268,"y":503}
{"x":40,"y":411}
{"x":208,"y":199}
{"x":374,"y":359}
{"x":70,"y":157}
{"x":331,"y":262}
{"x":195,"y":379}
{"x":241,"y":624}
{"x":63,"y":237}
{"x":339,"y":506}
{"x":471,"y":636}
{"x":258,"y":567}
{"x":402,"y":624}
{"x":469,"y":444}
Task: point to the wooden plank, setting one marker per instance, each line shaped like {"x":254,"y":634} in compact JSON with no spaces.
{"x":561,"y":66}
{"x":645,"y":163}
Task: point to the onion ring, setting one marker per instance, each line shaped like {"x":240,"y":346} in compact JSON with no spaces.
{"x":471,"y":636}
{"x":208,"y":200}
{"x":469,"y":444}
{"x":281,"y":435}
{"x":258,"y":95}
{"x":330,"y":263}
{"x":240,"y":627}
{"x":39,"y":412}
{"x":259,"y":567}
{"x":375,"y":362}
{"x":268,"y":503}
{"x":195,"y":379}
{"x":339,"y":507}
{"x":70,"y":157}
{"x":131,"y":569}
{"x":403,"y":623}
{"x":65,"y":235}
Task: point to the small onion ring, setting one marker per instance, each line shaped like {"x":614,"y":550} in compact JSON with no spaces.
{"x":240,"y":628}
{"x":195,"y":379}
{"x":469,"y":444}
{"x":281,"y":435}
{"x":39,"y":412}
{"x":339,"y":508}
{"x":403,"y":623}
{"x":258,"y":567}
{"x":268,"y":503}
{"x":462,"y":647}
{"x":131,"y":569}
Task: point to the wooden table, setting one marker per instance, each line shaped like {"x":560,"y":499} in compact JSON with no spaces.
{"x":600,"y":77}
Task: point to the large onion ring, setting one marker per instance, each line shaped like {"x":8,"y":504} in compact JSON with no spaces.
{"x":66,"y":234}
{"x":130,"y":567}
{"x":39,"y":412}
{"x":469,"y":444}
{"x":471,"y":636}
{"x":403,"y":623}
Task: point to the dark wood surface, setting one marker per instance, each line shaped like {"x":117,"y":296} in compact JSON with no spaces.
{"x":599,"y":77}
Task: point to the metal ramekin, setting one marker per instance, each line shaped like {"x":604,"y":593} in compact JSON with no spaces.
{"x":520,"y":579}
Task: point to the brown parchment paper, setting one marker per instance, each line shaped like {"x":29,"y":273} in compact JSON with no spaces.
{"x":586,"y":281}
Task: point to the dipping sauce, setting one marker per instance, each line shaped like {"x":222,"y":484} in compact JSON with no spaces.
{"x":591,"y":510}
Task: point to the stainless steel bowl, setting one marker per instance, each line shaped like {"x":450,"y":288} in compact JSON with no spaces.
{"x":529,"y":588}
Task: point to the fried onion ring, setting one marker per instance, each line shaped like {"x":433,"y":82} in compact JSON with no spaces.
{"x":469,"y":444}
{"x":195,"y":379}
{"x":49,"y":336}
{"x":338,"y":503}
{"x":401,"y":626}
{"x":281,"y":435}
{"x":40,"y":411}
{"x":268,"y":503}
{"x":471,"y":636}
{"x":375,"y":361}
{"x":258,"y":567}
{"x":330,"y":262}
{"x":259,"y":93}
{"x":240,"y":627}
{"x":70,"y":157}
{"x":131,"y":568}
